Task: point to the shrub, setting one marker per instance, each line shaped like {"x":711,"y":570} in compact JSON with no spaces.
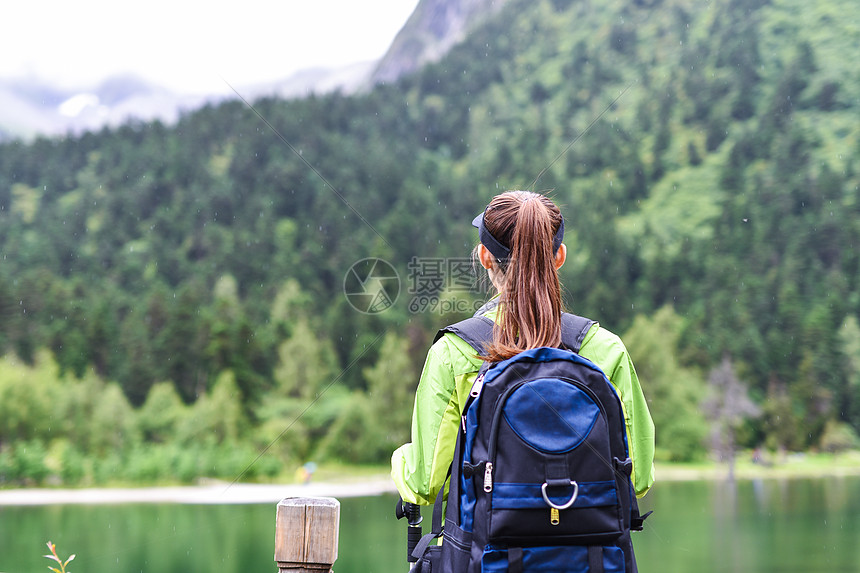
{"x":24,"y":463}
{"x":838,"y":437}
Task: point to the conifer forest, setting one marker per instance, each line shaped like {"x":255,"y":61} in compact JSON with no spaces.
{"x":172,"y":297}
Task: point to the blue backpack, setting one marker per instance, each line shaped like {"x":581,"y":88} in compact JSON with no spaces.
{"x":541,"y":474}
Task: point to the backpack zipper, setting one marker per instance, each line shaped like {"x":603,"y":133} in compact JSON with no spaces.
{"x":494,"y":431}
{"x":477,"y":386}
{"x":474,"y":393}
{"x":488,"y":477}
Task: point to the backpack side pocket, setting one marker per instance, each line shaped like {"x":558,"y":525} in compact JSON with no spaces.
{"x":456,"y":549}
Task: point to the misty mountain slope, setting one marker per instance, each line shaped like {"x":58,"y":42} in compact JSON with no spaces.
{"x":29,"y":109}
{"x":434,"y":27}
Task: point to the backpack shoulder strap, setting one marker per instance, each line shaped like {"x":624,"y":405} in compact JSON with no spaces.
{"x":477,"y":331}
{"x":573,"y":330}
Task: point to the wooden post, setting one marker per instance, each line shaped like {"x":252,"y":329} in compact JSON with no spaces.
{"x":306,"y":532}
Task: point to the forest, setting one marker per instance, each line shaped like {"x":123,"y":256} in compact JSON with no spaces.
{"x":172,"y":297}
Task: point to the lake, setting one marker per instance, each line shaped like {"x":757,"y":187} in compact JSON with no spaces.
{"x":803,"y":525}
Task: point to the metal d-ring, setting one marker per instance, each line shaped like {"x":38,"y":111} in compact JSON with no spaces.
{"x":566,"y":505}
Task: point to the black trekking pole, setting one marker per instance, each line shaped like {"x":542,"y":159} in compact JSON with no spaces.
{"x":412,"y":513}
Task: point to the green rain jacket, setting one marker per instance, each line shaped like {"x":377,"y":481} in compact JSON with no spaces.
{"x":420,"y":468}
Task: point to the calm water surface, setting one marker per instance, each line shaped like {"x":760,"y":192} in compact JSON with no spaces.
{"x":803,"y":525}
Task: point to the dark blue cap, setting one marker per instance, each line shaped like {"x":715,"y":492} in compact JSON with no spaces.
{"x":501,"y":251}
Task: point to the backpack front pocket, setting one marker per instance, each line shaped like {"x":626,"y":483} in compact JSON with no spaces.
{"x":519,"y":513}
{"x":554,"y":477}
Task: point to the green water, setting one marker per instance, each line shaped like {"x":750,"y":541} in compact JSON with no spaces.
{"x":798,"y":525}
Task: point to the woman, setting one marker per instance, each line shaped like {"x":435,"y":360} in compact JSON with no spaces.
{"x":521,"y":249}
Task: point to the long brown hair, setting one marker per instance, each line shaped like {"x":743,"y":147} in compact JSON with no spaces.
{"x":530,"y":301}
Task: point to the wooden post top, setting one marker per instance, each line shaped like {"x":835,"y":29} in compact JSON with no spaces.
{"x":306,"y":534}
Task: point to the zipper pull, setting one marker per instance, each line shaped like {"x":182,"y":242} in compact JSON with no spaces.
{"x":463,"y":422}
{"x":488,"y":477}
{"x":476,"y":387}
{"x":553,"y":516}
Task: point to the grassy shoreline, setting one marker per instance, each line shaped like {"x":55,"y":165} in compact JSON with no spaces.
{"x":794,"y":465}
{"x":806,"y":464}
{"x":372,"y":479}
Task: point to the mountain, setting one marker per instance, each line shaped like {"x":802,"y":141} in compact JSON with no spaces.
{"x":29,"y":108}
{"x":346,"y":79}
{"x":434,"y":27}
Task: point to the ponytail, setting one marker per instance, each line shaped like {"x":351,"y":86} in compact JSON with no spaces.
{"x":530,"y":301}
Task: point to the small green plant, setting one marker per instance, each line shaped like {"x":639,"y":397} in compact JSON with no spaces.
{"x":53,"y":556}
